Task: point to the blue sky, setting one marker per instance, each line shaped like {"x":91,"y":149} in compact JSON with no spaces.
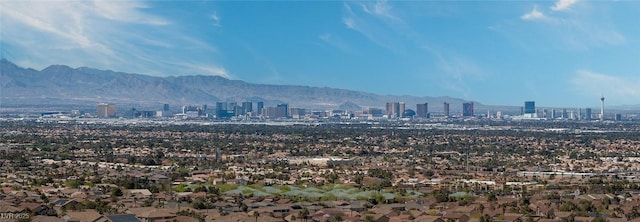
{"x":562,"y":53}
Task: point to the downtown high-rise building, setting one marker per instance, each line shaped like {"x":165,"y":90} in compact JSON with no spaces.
{"x":587,"y":114}
{"x":230,"y":109}
{"x":105,"y":110}
{"x":422,"y":110}
{"x":260,"y":106}
{"x":373,"y":112}
{"x":446,"y":109}
{"x":529,"y":110}
{"x":277,"y":112}
{"x":224,"y":110}
{"x":165,"y":108}
{"x":467,"y":109}
{"x":393,"y":109}
{"x":297,"y":113}
{"x":247,"y":107}
{"x":285,"y":107}
{"x":601,"y":116}
{"x":529,"y":107}
{"x":401,"y":109}
{"x":580,"y":114}
{"x":538,"y":113}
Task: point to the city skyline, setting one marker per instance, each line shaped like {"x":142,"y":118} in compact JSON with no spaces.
{"x":393,"y":110}
{"x":400,"y":105}
{"x":498,"y":53}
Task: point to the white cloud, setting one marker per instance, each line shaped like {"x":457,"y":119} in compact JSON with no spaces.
{"x":349,"y":22}
{"x":562,"y":5}
{"x":61,"y":19}
{"x":119,"y":35}
{"x":533,"y":14}
{"x":325,"y":37}
{"x":125,"y":11}
{"x":570,"y":31}
{"x":380,"y":9}
{"x":616,"y":88}
{"x":216,"y":19}
{"x":212,"y":70}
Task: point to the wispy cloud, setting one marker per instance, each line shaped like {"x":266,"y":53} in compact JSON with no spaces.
{"x":534,"y":14}
{"x":380,"y":9}
{"x":206,"y":70}
{"x":125,"y":11}
{"x":383,"y":24}
{"x":574,"y":30}
{"x":618,"y":89}
{"x":562,"y":5}
{"x":337,"y":42}
{"x":457,"y":67}
{"x":121,"y":35}
{"x":216,"y":19}
{"x":375,"y":22}
{"x":455,"y":71}
{"x":349,"y":22}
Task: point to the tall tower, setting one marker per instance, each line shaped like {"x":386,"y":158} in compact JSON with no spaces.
{"x":446,"y":109}
{"x":260,"y":107}
{"x":602,"y":108}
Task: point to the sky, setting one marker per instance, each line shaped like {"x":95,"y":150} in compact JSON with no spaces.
{"x":565,"y":53}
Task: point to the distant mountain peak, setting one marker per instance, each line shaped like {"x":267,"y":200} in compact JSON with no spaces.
{"x":5,"y":62}
{"x":57,"y":68}
{"x":63,"y":84}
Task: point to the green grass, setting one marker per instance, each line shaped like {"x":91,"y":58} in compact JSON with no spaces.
{"x":226,"y":187}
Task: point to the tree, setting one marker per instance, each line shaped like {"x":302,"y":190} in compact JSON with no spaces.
{"x":442,"y":195}
{"x":304,"y":213}
{"x":254,"y":214}
{"x":117,"y":192}
{"x":369,"y":218}
{"x":358,"y":179}
{"x":486,"y":218}
{"x":337,"y":217}
{"x":551,"y":214}
{"x":491,"y":197}
{"x":570,"y":218}
{"x":428,"y":173}
{"x":44,"y":198}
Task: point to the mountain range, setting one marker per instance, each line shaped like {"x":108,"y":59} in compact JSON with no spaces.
{"x":60,"y":84}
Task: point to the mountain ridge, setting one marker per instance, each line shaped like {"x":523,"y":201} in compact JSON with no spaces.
{"x":85,"y":85}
